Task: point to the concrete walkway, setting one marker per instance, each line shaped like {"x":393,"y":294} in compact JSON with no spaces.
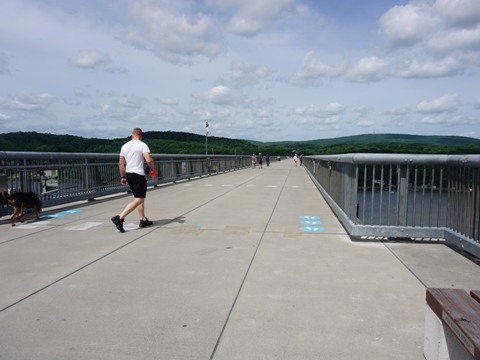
{"x":228,"y":271}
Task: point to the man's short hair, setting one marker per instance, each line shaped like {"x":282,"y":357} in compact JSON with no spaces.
{"x":137,"y":132}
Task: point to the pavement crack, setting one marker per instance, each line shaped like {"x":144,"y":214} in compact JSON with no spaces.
{"x":232,"y":307}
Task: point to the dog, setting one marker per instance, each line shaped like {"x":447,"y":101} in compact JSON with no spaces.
{"x":21,"y":201}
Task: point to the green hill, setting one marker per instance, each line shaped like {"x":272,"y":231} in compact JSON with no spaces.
{"x":384,"y":138}
{"x":171,"y":142}
{"x":160,"y":142}
{"x":385,"y":143}
{"x":399,"y":138}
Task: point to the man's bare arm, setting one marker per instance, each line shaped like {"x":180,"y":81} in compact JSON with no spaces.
{"x":121,"y":166}
{"x":149,"y":160}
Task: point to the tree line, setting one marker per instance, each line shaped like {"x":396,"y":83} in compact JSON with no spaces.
{"x":170,"y":142}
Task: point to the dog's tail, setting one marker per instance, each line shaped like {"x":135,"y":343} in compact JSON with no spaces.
{"x":5,"y":196}
{"x":5,"y":199}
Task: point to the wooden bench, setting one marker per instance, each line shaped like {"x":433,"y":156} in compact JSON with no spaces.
{"x":452,"y":325}
{"x":476,"y":295}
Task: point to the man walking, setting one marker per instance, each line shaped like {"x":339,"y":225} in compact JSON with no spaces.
{"x":132,"y":172}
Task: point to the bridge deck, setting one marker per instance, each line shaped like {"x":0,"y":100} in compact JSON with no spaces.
{"x":234,"y":267}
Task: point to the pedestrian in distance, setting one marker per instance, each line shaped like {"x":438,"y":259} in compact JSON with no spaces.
{"x":254,"y":160}
{"x":295,"y":159}
{"x":260,"y":159}
{"x":267,"y":159}
{"x":132,"y":172}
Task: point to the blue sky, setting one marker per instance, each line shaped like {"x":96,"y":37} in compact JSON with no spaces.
{"x":267,"y":70}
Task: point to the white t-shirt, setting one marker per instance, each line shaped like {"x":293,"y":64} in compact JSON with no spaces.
{"x":133,"y":152}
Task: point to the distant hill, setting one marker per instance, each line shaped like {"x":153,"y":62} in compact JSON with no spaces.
{"x":384,"y":143}
{"x":385,"y":138}
{"x":399,"y":138}
{"x":171,"y":142}
{"x":160,"y":142}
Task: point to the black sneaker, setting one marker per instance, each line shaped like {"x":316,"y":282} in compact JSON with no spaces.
{"x":145,"y":223}
{"x":118,"y":223}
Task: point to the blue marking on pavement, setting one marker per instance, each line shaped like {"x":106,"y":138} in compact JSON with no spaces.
{"x":62,"y":214}
{"x":53,"y":215}
{"x":311,"y":222}
{"x":309,"y":217}
{"x":72,"y":211}
{"x":312,"y":229}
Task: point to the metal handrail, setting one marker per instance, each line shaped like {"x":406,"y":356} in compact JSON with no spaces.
{"x":374,"y":195}
{"x":67,"y":177}
{"x":403,"y":195}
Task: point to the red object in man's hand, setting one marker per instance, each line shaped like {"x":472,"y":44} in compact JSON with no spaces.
{"x":153,"y":173}
{"x":123,"y":181}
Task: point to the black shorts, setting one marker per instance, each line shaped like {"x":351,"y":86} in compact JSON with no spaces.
{"x":138,"y":185}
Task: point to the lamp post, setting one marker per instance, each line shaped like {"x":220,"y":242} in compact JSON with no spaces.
{"x":206,"y":137}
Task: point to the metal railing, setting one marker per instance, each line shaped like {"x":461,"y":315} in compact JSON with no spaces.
{"x":403,"y":196}
{"x":373,"y":195}
{"x":67,"y":177}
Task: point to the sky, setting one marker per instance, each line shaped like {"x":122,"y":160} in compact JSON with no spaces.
{"x":265,"y":70}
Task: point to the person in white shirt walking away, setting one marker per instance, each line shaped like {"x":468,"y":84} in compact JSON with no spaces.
{"x":132,"y":172}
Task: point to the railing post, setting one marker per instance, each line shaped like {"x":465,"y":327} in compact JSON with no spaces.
{"x":402,"y":194}
{"x":86,"y":177}
{"x":24,"y":179}
{"x":350,"y":189}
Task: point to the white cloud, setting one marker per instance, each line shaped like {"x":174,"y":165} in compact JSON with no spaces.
{"x":369,"y":69}
{"x":325,"y":111}
{"x":438,"y":39}
{"x":252,"y":16}
{"x":124,"y":107}
{"x":365,"y":123}
{"x":90,"y":59}
{"x":133,"y":102}
{"x":433,"y":119}
{"x":364,"y":111}
{"x":29,"y":102}
{"x":256,"y":102}
{"x":316,"y":123}
{"x":444,"y":119}
{"x":311,"y":70}
{"x":166,"y":101}
{"x":95,"y":60}
{"x":173,"y":34}
{"x":457,"y":39}
{"x":204,"y":115}
{"x":448,"y":66}
{"x":399,"y":111}
{"x":405,"y":25}
{"x":459,"y":12}
{"x":4,"y":117}
{"x":219,"y":95}
{"x":244,"y":74}
{"x":446,"y":103}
